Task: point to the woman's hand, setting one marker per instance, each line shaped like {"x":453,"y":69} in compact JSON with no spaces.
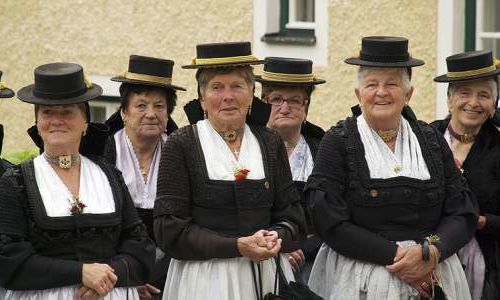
{"x":296,"y":259}
{"x":85,"y":293}
{"x":99,"y":277}
{"x":409,"y":266}
{"x":147,"y":291}
{"x":481,"y":222}
{"x":259,"y":247}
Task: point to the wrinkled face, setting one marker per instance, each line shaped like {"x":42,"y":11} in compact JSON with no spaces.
{"x":146,"y":114}
{"x":382,"y":95}
{"x":288,"y":108}
{"x":471,"y":103}
{"x":61,"y":126}
{"x":226,"y":99}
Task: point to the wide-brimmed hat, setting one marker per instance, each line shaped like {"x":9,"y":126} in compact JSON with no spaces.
{"x":470,"y":66}
{"x":5,"y":92}
{"x":384,"y":52}
{"x":59,"y":84}
{"x":223,"y":55}
{"x":146,"y":70}
{"x":288,"y":71}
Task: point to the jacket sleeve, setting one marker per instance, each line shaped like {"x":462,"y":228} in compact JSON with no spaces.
{"x":288,"y":217}
{"x":136,"y":252}
{"x":459,"y":214}
{"x":330,"y":211}
{"x":22,"y":268}
{"x":175,"y":231}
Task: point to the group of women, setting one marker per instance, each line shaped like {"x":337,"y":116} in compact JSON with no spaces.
{"x":382,"y":206}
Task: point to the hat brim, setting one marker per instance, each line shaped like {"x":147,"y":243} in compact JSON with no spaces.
{"x":25,"y":94}
{"x":258,"y":78}
{"x":6,"y":93}
{"x":445,"y":78}
{"x":141,"y":82}
{"x":413,"y":62}
{"x":223,"y":65}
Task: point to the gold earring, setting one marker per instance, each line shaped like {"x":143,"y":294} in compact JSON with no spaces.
{"x":205,"y":114}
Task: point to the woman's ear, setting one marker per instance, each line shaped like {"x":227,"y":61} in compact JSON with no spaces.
{"x":409,"y":94}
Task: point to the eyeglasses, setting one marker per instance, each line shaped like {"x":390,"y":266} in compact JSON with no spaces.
{"x":295,"y":102}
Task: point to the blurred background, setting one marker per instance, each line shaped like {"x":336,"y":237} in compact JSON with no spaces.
{"x":101,"y":34}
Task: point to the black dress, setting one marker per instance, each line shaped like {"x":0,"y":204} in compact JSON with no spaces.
{"x":352,"y":212}
{"x":40,"y":252}
{"x":481,"y":168}
{"x":198,"y":219}
{"x":160,"y":270}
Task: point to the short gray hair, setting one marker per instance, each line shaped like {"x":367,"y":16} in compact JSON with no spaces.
{"x":452,"y":86}
{"x":204,"y":75}
{"x":403,"y":72}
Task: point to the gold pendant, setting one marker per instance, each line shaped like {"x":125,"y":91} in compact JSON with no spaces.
{"x":397,"y":169}
{"x":65,"y":161}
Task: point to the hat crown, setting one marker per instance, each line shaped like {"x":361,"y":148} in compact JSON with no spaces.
{"x":150,"y":66}
{"x":287,"y":65}
{"x":471,"y":60}
{"x":59,"y":80}
{"x":217,"y":50}
{"x":385,"y":48}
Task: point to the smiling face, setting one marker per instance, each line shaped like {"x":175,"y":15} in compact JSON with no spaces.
{"x":382,"y":94}
{"x":471,"y":103}
{"x":61,"y":127}
{"x":146,"y":116}
{"x":226,"y":99}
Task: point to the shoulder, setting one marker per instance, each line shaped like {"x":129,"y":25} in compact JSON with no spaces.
{"x":181,"y":135}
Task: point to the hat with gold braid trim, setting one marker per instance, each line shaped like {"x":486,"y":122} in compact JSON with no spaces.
{"x":223,"y":55}
{"x":470,"y":66}
{"x":5,"y":92}
{"x":288,"y":71}
{"x":146,"y":70}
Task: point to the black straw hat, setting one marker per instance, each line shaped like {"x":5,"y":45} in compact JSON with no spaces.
{"x":146,"y":70}
{"x":59,"y":84}
{"x":384,"y":52}
{"x":223,"y":55}
{"x":5,"y":92}
{"x":470,"y":66}
{"x":288,"y":71}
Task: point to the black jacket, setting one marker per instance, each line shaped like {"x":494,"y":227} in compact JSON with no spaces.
{"x":40,"y":252}
{"x":360,"y":217}
{"x":197,"y":218}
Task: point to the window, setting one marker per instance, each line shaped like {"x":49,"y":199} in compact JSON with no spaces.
{"x":482,"y":25}
{"x":107,"y":104}
{"x":298,"y":28}
{"x":296,"y":23}
{"x":102,"y":108}
{"x":488,"y":25}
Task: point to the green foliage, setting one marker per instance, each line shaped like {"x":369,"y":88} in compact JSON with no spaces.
{"x":17,"y":157}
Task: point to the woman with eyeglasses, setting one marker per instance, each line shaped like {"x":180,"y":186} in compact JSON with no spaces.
{"x":287,"y":85}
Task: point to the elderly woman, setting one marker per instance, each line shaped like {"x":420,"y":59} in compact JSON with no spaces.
{"x":225,"y":193}
{"x":68,"y":226}
{"x":475,"y":144}
{"x":139,"y":131}
{"x":386,"y":197}
{"x":287,"y":85}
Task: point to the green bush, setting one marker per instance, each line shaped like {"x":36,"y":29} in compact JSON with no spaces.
{"x":17,"y":157}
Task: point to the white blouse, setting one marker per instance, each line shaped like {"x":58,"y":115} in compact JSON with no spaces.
{"x":406,"y":160}
{"x":95,"y":190}
{"x":220,"y":160}
{"x":143,"y":193}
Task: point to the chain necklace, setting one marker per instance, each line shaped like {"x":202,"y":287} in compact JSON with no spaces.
{"x":388,"y":135}
{"x":63,"y":161}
